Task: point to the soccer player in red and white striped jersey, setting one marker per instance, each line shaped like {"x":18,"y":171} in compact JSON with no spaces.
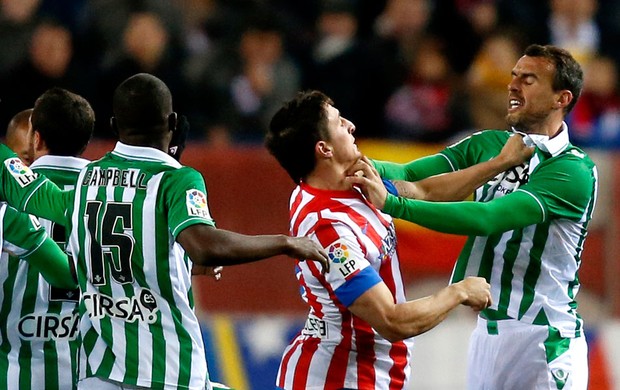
{"x":359,"y":326}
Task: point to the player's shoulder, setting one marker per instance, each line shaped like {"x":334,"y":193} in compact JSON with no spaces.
{"x":577,"y":155}
{"x":486,"y":136}
{"x":572,"y":160}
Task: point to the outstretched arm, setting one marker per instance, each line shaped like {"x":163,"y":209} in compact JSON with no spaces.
{"x":460,"y":184}
{"x":208,"y":246}
{"x":25,"y":238}
{"x":53,"y":264}
{"x":400,"y":321}
{"x":456,"y":185}
{"x":516,"y":210}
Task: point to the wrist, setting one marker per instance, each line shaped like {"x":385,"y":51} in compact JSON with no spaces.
{"x":459,"y":292}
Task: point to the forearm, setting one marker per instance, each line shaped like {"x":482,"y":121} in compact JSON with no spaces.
{"x":52,"y":263}
{"x":423,"y":314}
{"x":458,"y":185}
{"x":510,"y":212}
{"x":396,"y":322}
{"x":234,"y":248}
{"x":208,"y":246}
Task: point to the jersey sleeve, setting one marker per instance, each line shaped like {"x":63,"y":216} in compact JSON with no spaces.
{"x":186,"y":200}
{"x":28,"y":191}
{"x":475,"y":148}
{"x":350,"y":273}
{"x":513,"y":211}
{"x":566,"y":186}
{"x":28,"y":240}
{"x":25,"y":234}
{"x":414,"y":170}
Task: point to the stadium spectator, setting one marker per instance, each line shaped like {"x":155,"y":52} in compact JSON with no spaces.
{"x":62,"y":124}
{"x":340,"y":64}
{"x":526,"y":230}
{"x":18,"y":19}
{"x":154,"y":212}
{"x":595,"y":121}
{"x":50,"y":63}
{"x":251,"y":81}
{"x":359,"y":327}
{"x":486,"y":79}
{"x":573,"y":26}
{"x":397,"y":34}
{"x":17,"y":135}
{"x":146,"y":46}
{"x":429,"y":107}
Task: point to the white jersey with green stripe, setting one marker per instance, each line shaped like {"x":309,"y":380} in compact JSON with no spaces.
{"x":533,"y":271}
{"x":137,"y":320}
{"x":27,"y":330}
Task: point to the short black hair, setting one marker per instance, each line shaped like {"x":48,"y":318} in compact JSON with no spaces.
{"x":64,"y":120}
{"x":294,"y":131}
{"x":568,"y":73}
{"x":141,"y":105}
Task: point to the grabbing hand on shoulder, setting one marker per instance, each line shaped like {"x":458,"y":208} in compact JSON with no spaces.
{"x":303,"y":248}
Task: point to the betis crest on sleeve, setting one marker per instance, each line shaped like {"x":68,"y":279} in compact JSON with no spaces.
{"x":196,"y":202}
{"x":19,"y":171}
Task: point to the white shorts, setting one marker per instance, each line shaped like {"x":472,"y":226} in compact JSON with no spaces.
{"x":94,"y":383}
{"x":513,"y":355}
{"x":100,"y":384}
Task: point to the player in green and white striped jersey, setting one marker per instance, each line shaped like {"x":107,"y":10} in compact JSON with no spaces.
{"x":43,"y":320}
{"x":21,"y":235}
{"x":527,"y":228}
{"x":136,"y":219}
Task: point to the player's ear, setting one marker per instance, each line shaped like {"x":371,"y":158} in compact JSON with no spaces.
{"x":114,"y":126}
{"x":172,"y":121}
{"x":323,"y":149}
{"x":564,"y":99}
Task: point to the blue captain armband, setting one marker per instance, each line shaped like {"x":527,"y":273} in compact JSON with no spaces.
{"x":390,"y":187}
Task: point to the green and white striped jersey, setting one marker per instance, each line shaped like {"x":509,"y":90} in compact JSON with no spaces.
{"x":138,"y":325}
{"x":45,"y":318}
{"x":137,"y":319}
{"x":533,"y":270}
{"x":20,"y":331}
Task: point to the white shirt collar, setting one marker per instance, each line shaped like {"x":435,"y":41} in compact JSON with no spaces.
{"x":144,"y":153}
{"x":553,"y":146}
{"x":60,"y":161}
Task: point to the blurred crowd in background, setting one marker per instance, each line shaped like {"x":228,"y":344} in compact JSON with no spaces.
{"x":415,"y":70}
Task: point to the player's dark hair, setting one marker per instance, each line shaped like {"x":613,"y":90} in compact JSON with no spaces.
{"x":568,"y":73}
{"x":142,"y":105}
{"x":64,"y":120}
{"x":294,"y":131}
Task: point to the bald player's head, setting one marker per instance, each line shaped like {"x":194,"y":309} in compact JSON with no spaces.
{"x":17,"y":136}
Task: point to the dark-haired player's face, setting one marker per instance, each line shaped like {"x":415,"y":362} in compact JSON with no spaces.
{"x":531,"y":98}
{"x":341,"y":137}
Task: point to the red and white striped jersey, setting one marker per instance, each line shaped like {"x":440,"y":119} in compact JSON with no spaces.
{"x":336,"y":349}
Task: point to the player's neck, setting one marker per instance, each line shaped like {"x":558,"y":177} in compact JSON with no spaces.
{"x":143,"y":141}
{"x":328,"y":177}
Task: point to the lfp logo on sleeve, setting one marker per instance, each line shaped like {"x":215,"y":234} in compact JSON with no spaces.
{"x":340,"y":255}
{"x":196,"y":202}
{"x":19,"y":171}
